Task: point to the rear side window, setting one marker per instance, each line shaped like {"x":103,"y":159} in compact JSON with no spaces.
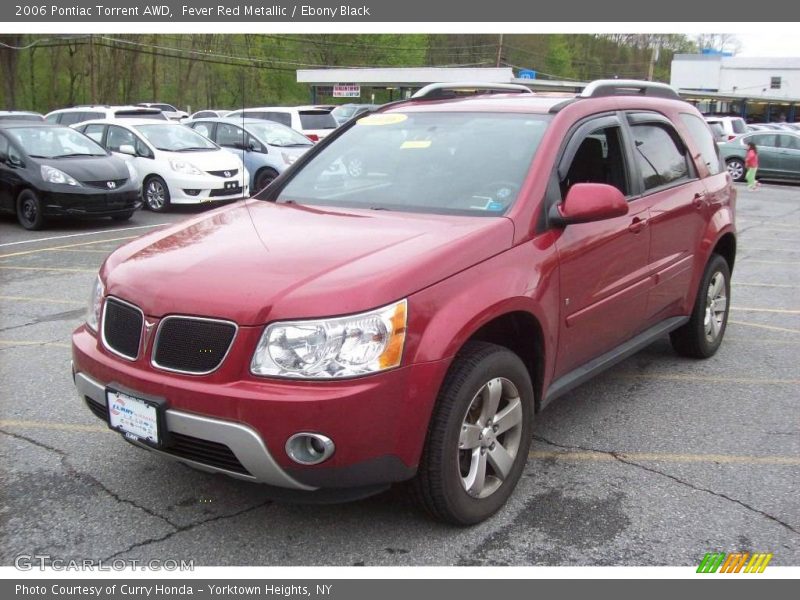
{"x":204,"y":114}
{"x":70,"y":118}
{"x":701,"y":135}
{"x":138,"y":114}
{"x":768,"y":140}
{"x":317,"y":119}
{"x":738,"y":125}
{"x":284,"y":118}
{"x":660,"y":160}
{"x":791,"y":142}
{"x":90,"y":116}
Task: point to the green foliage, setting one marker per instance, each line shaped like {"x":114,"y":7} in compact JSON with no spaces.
{"x":195,"y":71}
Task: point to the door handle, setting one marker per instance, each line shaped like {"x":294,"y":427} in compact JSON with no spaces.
{"x":699,"y":201}
{"x":637,"y":225}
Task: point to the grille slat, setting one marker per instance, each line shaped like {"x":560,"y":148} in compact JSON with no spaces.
{"x":226,"y":192}
{"x":230,"y":173}
{"x":122,"y":328}
{"x":192,"y":345}
{"x":104,"y":183}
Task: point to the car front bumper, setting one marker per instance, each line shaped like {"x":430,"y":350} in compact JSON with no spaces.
{"x":90,"y":203}
{"x":196,"y":189}
{"x":377,"y":423}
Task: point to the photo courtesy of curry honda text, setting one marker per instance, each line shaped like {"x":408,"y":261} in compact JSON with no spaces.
{"x":348,"y":329}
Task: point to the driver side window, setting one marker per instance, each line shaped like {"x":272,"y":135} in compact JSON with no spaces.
{"x":599,"y":159}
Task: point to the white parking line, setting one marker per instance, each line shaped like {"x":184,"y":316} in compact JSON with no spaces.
{"x":61,"y":237}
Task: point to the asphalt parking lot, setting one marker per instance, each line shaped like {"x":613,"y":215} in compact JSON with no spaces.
{"x":656,"y":462}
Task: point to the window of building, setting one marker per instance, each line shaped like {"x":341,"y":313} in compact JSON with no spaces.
{"x":775,"y":83}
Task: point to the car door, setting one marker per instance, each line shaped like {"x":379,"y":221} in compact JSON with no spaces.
{"x":790,"y":155}
{"x":679,"y":210}
{"x":769,"y":157}
{"x":7,"y":177}
{"x":603,"y":265}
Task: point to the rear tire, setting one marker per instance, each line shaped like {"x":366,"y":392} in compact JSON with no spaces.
{"x":478,"y":438}
{"x":29,"y":210}
{"x":702,"y":335}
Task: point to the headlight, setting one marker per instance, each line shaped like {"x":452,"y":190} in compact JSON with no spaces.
{"x":187,"y":168}
{"x":340,"y":347}
{"x":132,"y":171}
{"x":288,"y":158}
{"x":53,"y":175}
{"x":95,"y":305}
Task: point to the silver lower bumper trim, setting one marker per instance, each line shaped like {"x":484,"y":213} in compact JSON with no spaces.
{"x":244,"y":442}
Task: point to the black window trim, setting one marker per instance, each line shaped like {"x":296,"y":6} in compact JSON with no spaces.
{"x":700,"y":153}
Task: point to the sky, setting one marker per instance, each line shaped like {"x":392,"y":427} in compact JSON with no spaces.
{"x":765,"y":44}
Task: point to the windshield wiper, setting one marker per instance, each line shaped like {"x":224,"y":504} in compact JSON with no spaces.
{"x":75,"y":154}
{"x":192,"y":149}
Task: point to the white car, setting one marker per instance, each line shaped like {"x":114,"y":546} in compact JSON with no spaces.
{"x":210,"y":113}
{"x":172,"y":113}
{"x":312,"y":121}
{"x":731,"y":126}
{"x":81,"y":114}
{"x":176,"y":165}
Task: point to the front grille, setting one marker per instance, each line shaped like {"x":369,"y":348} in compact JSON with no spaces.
{"x":206,"y":452}
{"x":191,"y":344}
{"x":226,"y":192}
{"x":104,"y":183}
{"x":226,"y":173}
{"x":122,"y":328}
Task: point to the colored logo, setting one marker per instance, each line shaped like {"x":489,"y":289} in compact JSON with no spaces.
{"x":736,"y":562}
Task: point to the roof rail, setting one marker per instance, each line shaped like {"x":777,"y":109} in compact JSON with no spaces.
{"x":628,"y":87}
{"x":450,"y":90}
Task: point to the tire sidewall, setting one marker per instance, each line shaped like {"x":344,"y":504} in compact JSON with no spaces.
{"x":716,"y":264}
{"x":264,"y":174}
{"x":501,"y":363}
{"x":166,"y":193}
{"x":38,"y":222}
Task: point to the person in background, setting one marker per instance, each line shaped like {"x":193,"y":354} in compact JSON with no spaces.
{"x":751,"y":164}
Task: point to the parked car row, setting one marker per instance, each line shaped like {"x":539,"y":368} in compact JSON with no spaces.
{"x":778,"y":154}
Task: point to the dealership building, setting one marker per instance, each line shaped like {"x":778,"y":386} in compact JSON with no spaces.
{"x":759,"y":89}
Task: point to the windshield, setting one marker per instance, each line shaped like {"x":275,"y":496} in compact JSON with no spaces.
{"x":276,"y":134}
{"x":175,"y":138}
{"x":54,"y":142}
{"x":344,"y":112}
{"x":456,"y":163}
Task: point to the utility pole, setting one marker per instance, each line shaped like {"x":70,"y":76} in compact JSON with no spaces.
{"x":653,"y":58}
{"x":92,"y":86}
{"x":499,"y":50}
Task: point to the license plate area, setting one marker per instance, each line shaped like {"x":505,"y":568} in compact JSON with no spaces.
{"x":139,"y":419}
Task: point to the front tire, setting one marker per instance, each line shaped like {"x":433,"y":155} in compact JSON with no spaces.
{"x":479,"y":436}
{"x":156,"y":194}
{"x":702,"y":335}
{"x":263,"y":178}
{"x":736,"y":169}
{"x":29,"y":210}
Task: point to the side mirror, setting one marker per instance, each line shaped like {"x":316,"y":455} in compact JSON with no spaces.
{"x":589,"y":202}
{"x":127,"y":149}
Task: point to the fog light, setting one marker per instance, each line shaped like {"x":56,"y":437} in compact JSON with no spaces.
{"x":309,"y":448}
{"x":191,"y":192}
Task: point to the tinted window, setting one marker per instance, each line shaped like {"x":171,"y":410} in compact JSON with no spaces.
{"x":317,"y":119}
{"x":456,"y":163}
{"x":660,"y":159}
{"x":701,"y":135}
{"x":205,"y":114}
{"x":94,"y":131}
{"x":230,"y":136}
{"x":140,"y":114}
{"x":599,"y":159}
{"x":118,"y":136}
{"x":738,"y":126}
{"x":789,"y":141}
{"x":768,"y":140}
{"x":279,"y":117}
{"x":90,"y":116}
{"x":70,"y":118}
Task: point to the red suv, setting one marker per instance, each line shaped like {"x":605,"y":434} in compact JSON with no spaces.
{"x":352,"y":328}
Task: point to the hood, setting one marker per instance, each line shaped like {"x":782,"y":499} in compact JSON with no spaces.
{"x":254,"y":261}
{"x":89,"y":168}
